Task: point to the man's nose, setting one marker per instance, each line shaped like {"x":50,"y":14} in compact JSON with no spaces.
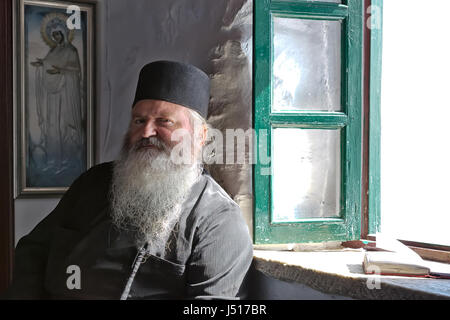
{"x":149,"y":130}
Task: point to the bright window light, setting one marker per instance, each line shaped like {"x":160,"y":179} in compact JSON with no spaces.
{"x":415,"y":117}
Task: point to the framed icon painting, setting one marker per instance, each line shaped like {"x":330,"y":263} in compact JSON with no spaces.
{"x":54,"y":103}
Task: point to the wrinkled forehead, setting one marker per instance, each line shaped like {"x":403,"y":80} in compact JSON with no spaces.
{"x":160,"y":107}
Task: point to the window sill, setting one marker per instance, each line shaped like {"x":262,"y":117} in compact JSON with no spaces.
{"x":339,"y":272}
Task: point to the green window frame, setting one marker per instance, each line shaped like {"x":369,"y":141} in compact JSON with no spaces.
{"x":348,"y":225}
{"x":376,"y":43}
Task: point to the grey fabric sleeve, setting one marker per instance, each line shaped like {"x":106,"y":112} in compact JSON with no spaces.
{"x":222,"y":254}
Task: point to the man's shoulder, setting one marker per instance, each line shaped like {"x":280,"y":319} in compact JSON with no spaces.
{"x":214,"y":203}
{"x":102,"y":167}
{"x":214,"y":194}
{"x":99,"y":175}
{"x":101,"y":170}
{"x":217,"y":212}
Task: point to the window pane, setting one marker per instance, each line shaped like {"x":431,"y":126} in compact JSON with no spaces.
{"x":306,"y":174}
{"x":306,"y":65}
{"x":415,"y":110}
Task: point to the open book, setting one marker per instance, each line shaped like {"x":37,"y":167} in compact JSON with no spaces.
{"x":394,"y":263}
{"x":399,"y":261}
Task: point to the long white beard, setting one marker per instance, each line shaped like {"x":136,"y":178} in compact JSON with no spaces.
{"x":147,"y":192}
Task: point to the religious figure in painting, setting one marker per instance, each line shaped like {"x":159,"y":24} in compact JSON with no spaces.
{"x":58,"y":97}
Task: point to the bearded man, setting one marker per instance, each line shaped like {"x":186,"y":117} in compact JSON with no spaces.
{"x":151,"y":225}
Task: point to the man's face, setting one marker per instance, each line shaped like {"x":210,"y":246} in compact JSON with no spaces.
{"x":159,"y":119}
{"x":148,"y":186}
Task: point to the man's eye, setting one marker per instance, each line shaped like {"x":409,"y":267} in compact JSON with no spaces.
{"x":165,"y":121}
{"x":139,"y":121}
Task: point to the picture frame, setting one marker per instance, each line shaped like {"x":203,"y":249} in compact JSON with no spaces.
{"x":54,"y":105}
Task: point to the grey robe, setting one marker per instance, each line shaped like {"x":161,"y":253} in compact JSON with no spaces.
{"x":209,"y":256}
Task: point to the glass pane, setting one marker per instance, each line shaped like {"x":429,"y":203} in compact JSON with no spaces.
{"x":306,"y":65}
{"x":306,"y":174}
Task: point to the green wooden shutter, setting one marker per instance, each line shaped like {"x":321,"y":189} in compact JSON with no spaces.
{"x":376,"y":41}
{"x":347,"y":225}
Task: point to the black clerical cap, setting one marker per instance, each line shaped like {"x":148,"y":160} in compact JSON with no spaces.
{"x":175,"y":82}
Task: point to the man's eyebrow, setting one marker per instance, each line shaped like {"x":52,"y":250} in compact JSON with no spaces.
{"x":162,"y":115}
{"x":137,"y":115}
